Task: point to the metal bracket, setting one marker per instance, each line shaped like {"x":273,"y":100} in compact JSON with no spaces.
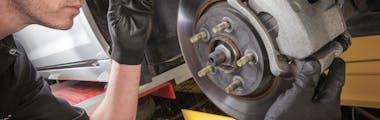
{"x":277,"y":67}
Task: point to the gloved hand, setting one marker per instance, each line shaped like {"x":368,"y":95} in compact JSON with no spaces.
{"x":313,"y":96}
{"x":129,"y":23}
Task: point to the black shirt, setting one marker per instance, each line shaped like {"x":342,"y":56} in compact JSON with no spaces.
{"x":24,"y":95}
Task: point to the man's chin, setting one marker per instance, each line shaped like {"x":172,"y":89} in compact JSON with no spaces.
{"x":64,"y":26}
{"x":61,"y":26}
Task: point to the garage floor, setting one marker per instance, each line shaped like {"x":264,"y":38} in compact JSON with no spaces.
{"x":189,"y":96}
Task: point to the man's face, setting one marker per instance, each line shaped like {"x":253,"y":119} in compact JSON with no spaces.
{"x":56,"y":14}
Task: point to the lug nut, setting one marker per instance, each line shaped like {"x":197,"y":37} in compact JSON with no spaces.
{"x":221,"y":26}
{"x":206,"y":70}
{"x":233,"y":86}
{"x":245,"y":59}
{"x":198,"y":36}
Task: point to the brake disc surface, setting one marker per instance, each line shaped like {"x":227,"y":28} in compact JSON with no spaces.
{"x":244,"y":92}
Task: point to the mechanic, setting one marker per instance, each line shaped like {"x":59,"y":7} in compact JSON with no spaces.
{"x":26,"y":96}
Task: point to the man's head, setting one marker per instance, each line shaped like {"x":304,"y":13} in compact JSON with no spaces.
{"x":56,"y":14}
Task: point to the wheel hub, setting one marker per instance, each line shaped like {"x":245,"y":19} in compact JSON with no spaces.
{"x":224,"y":53}
{"x":228,"y":61}
{"x":229,"y":37}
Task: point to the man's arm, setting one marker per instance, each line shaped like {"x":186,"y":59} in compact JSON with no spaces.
{"x":129,"y":23}
{"x":120,"y":102}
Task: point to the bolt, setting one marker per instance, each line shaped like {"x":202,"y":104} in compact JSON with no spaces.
{"x":245,"y":59}
{"x":206,"y":70}
{"x":221,"y":26}
{"x":217,"y":57}
{"x":198,"y":36}
{"x":233,"y":86}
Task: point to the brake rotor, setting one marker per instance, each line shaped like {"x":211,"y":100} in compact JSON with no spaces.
{"x":223,"y":49}
{"x":213,"y":38}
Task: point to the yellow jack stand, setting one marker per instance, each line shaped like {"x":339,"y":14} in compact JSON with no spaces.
{"x":195,"y":115}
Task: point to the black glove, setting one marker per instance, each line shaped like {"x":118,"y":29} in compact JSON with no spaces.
{"x":313,"y":96}
{"x":129,"y":23}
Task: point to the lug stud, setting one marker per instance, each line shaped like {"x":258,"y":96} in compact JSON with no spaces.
{"x":221,"y":26}
{"x":206,"y":70}
{"x":198,"y":36}
{"x":233,"y":86}
{"x":245,"y":59}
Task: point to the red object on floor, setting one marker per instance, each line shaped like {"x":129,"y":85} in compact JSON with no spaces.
{"x":77,"y":91}
{"x":165,"y":90}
